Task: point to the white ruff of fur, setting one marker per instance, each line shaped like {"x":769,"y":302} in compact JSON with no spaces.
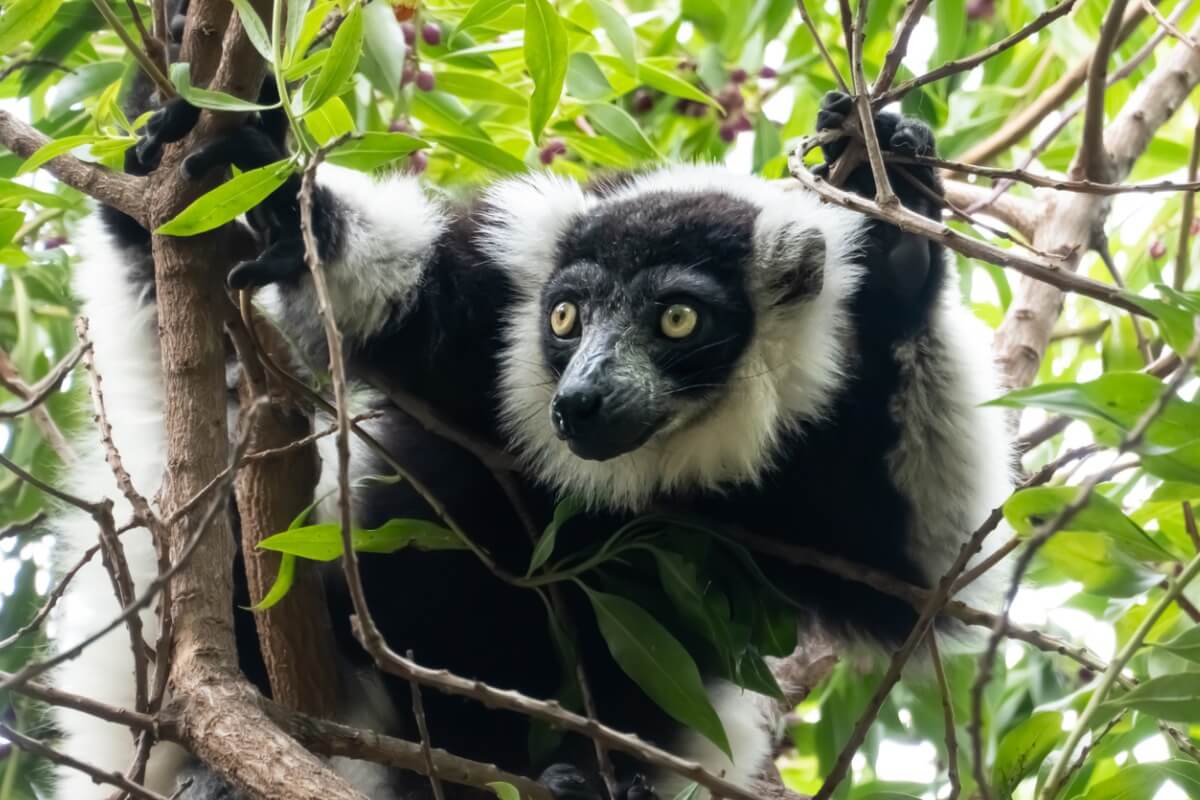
{"x":790,"y":374}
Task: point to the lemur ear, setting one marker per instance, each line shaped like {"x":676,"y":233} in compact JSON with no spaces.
{"x":792,"y":256}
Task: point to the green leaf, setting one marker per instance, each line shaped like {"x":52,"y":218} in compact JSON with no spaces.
{"x":256,"y":32}
{"x":1024,"y":748}
{"x":585,"y":80}
{"x":55,"y":148}
{"x":284,"y":580}
{"x":385,"y":45}
{"x":339,"y":65}
{"x":658,"y":663}
{"x":566,"y":510}
{"x":24,"y":19}
{"x":323,"y":542}
{"x":681,"y":581}
{"x":618,"y":30}
{"x":1185,"y":645}
{"x":754,"y":674}
{"x":181,"y":76}
{"x":329,"y":121}
{"x":1030,"y":508}
{"x":1171,"y":698}
{"x":951,"y":16}
{"x":481,"y":151}
{"x":473,"y":86}
{"x":234,"y":197}
{"x":615,"y":123}
{"x":689,"y":792}
{"x":1138,"y":781}
{"x":293,"y":26}
{"x":546,"y":59}
{"x":482,"y":12}
{"x":672,"y":84}
{"x":505,"y":791}
{"x":11,"y":221}
{"x":372,"y":150}
{"x":1098,"y":564}
{"x":767,"y":143}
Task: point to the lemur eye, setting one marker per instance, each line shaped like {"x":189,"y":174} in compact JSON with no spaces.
{"x":679,"y":321}
{"x":563,"y":318}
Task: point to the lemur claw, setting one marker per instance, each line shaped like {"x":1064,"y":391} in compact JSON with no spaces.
{"x":171,"y":123}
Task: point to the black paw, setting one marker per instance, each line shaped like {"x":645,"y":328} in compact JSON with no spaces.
{"x":170,"y":123}
{"x":835,"y":106}
{"x":282,"y":262}
{"x":637,"y":789}
{"x":245,"y":148}
{"x":566,"y":782}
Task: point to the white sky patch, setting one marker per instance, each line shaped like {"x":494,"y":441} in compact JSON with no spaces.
{"x":1013,"y":653}
{"x":898,"y":761}
{"x":775,"y":53}
{"x":1171,"y":791}
{"x":1152,"y":750}
{"x":1032,"y":605}
{"x":778,"y":107}
{"x":921,"y":46}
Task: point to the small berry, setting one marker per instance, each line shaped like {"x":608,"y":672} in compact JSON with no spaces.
{"x":731,"y":99}
{"x":418,"y":161}
{"x":431,"y":33}
{"x":768,"y":73}
{"x":425,"y":81}
{"x":54,"y":242}
{"x":686,"y":65}
{"x":697,"y":110}
{"x":727,"y":133}
{"x":404,"y":12}
{"x":407,"y":74}
{"x":1157,"y":249}
{"x":553,"y":149}
{"x":399,"y":126}
{"x":743,"y":124}
{"x":981,"y":9}
{"x":1195,"y":229}
{"x":643,"y":101}
{"x":410,"y":33}
{"x":738,"y":76}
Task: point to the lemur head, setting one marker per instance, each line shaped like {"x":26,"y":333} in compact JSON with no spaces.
{"x":671,"y":329}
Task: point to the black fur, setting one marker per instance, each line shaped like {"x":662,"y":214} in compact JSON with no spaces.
{"x":832,"y":491}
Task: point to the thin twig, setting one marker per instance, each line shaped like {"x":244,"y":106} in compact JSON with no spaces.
{"x":1091,"y":163}
{"x":857,"y":36}
{"x":1183,"y":249}
{"x":1189,"y":524}
{"x":1041,"y":269}
{"x":34,"y":397}
{"x":426,"y":744}
{"x":951,"y":730}
{"x":1170,"y":27}
{"x":52,"y":600}
{"x":975,"y":59}
{"x":98,"y":775}
{"x":913,"y":10}
{"x":165,"y":88}
{"x":820,"y":43}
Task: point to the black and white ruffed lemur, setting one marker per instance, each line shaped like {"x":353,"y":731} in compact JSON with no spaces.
{"x":686,"y":337}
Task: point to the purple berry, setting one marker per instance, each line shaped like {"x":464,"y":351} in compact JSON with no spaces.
{"x":410,"y":33}
{"x":553,"y":149}
{"x":399,"y":126}
{"x":981,"y":9}
{"x":54,"y":242}
{"x":742,"y":124}
{"x":738,"y":76}
{"x":431,"y":33}
{"x":697,"y":110}
{"x":728,"y":134}
{"x":768,"y":73}
{"x":407,"y":74}
{"x":731,"y":99}
{"x":418,"y":161}
{"x":1157,"y":249}
{"x":425,"y":81}
{"x":643,"y":101}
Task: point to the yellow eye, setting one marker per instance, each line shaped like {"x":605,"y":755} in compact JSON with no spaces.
{"x":679,"y":321}
{"x":563,"y":318}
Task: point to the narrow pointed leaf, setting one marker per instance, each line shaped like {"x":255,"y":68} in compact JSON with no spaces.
{"x":236,"y":196}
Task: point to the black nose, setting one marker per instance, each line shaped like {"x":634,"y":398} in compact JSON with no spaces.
{"x":575,"y":407}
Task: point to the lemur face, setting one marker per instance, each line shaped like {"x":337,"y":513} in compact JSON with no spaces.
{"x":646,"y":315}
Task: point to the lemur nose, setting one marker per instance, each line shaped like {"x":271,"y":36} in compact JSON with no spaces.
{"x":574,"y":407}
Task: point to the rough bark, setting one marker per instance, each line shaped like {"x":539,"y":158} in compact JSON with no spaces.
{"x":1070,"y":221}
{"x":295,"y":635}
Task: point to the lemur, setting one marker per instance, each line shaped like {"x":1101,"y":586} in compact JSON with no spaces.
{"x":686,"y":337}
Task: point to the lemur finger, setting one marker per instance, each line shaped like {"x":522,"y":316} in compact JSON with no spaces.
{"x":282,"y":261}
{"x":169,"y":124}
{"x":246,"y":148}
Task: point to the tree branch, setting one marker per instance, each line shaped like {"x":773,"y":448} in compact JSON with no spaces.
{"x":1091,"y":163}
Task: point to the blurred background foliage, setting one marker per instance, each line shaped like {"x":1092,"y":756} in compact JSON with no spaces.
{"x":738,"y":82}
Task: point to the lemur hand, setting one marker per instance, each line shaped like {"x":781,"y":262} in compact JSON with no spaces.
{"x":897,"y":134}
{"x":568,"y":782}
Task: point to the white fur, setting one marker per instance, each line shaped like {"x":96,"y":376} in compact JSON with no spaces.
{"x":390,"y":228}
{"x":741,"y":712}
{"x":954,"y":458}
{"x":790,"y":374}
